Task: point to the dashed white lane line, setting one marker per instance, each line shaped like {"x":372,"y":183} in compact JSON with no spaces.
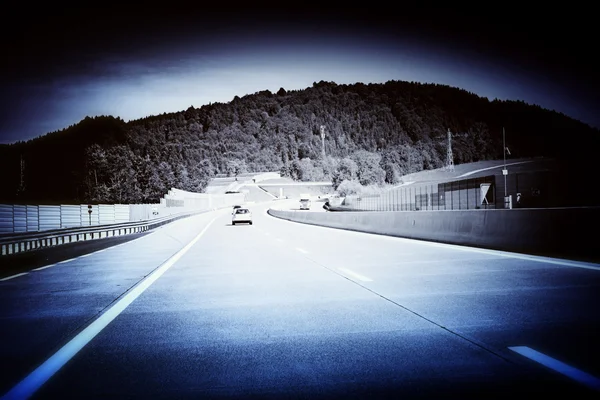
{"x":558,"y":366}
{"x":355,"y":275}
{"x":301,"y":250}
{"x":27,"y":387}
{"x":45,"y":267}
{"x":13,"y":276}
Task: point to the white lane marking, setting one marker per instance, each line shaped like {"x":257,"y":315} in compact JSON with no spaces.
{"x":13,"y":276}
{"x":65,"y":261}
{"x":548,"y":260}
{"x":354,"y":274}
{"x":85,"y":255}
{"x":41,"y":268}
{"x":39,"y":376}
{"x":301,"y":250}
{"x":558,"y":366}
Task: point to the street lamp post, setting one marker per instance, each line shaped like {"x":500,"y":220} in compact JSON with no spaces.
{"x":504,"y":171}
{"x":507,"y":200}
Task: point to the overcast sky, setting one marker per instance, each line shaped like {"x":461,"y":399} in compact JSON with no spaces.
{"x":59,"y":69}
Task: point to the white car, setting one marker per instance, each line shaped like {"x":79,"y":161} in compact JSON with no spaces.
{"x":305,"y":202}
{"x":241,"y":215}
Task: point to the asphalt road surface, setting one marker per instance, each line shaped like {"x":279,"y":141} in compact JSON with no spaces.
{"x":201,"y":309}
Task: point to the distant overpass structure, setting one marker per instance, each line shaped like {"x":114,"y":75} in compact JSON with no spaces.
{"x":266,"y":186}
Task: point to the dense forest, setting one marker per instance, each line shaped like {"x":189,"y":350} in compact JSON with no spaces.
{"x":374,"y":134}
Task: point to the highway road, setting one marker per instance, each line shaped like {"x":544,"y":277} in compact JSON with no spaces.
{"x":201,"y":309}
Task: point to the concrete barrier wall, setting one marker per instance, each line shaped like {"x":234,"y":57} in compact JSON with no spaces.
{"x":556,"y":232}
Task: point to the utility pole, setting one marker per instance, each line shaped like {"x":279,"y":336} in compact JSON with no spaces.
{"x":449,"y":156}
{"x":504,"y":171}
{"x":22,"y":182}
{"x":323,"y":139}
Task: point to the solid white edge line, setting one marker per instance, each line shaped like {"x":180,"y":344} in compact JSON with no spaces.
{"x":558,"y":366}
{"x":357,"y":276}
{"x":40,"y":375}
{"x":66,"y":261}
{"x":13,"y":276}
{"x":492,"y":252}
{"x":500,"y":253}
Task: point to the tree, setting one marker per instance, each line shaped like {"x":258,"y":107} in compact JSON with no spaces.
{"x":368,"y":172}
{"x":349,"y":187}
{"x":390,"y":160}
{"x":167,"y":176}
{"x":345,"y":170}
{"x":235,"y":167}
{"x":112,"y":175}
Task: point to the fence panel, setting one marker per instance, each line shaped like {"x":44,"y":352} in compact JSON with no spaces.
{"x":106,"y":214}
{"x":6,"y":218}
{"x":122,"y":213}
{"x":33,"y":218}
{"x":70,"y":216}
{"x":20,"y":218}
{"x":142,"y":212}
{"x":49,"y":217}
{"x":464,"y":194}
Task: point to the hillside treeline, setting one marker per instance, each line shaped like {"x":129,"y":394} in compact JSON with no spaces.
{"x":374,"y":134}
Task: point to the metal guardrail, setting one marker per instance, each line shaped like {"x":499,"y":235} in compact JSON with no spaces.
{"x":27,"y":241}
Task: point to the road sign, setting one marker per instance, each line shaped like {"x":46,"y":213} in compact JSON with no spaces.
{"x":504,"y":171}
{"x":484,"y":187}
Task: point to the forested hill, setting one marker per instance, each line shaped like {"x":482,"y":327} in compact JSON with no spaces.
{"x":374,"y":134}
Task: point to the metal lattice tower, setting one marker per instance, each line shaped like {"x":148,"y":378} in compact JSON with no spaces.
{"x":449,"y":157}
{"x":323,"y":139}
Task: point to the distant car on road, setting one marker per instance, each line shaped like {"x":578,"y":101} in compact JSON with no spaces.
{"x":305,"y":201}
{"x":241,"y":215}
{"x":235,"y":208}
